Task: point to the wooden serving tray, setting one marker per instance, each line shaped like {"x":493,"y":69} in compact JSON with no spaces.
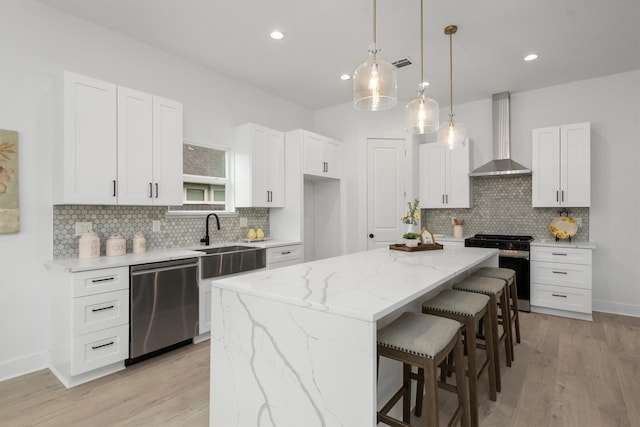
{"x":420,"y":247}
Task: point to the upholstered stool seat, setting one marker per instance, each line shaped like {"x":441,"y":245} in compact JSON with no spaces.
{"x":423,"y":341}
{"x":496,"y":290}
{"x":469,"y":309}
{"x":509,"y":276}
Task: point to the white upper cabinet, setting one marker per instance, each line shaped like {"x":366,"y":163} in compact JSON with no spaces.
{"x":121,"y":146}
{"x":321,"y":156}
{"x":561,"y":166}
{"x":85,"y":169}
{"x":444,"y":176}
{"x":259,"y":167}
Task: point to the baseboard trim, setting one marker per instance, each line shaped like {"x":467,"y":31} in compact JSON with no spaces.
{"x":24,"y":365}
{"x":612,"y":307}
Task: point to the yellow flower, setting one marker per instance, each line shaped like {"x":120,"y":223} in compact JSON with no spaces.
{"x":416,"y":215}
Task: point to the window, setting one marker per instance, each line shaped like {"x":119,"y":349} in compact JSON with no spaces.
{"x":206,"y":183}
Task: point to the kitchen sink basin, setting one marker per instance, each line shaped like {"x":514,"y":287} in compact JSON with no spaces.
{"x":225,"y":260}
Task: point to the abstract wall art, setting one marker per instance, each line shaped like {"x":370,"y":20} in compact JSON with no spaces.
{"x":9,"y":200}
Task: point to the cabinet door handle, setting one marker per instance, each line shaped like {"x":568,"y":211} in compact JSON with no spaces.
{"x":103,"y":308}
{"x":95,"y":347}
{"x":558,"y":254}
{"x":157,"y":191}
{"x":443,"y":199}
{"x":562,"y":195}
{"x":447,"y":197}
{"x":150,"y":190}
{"x":327,"y":171}
{"x":285,"y":253}
{"x":559,"y":272}
{"x":114,"y":188}
{"x":557,"y":196}
{"x":106,"y":279}
{"x":558,"y":295}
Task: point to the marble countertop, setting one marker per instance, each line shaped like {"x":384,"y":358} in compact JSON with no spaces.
{"x":564,"y":244}
{"x":73,"y":265}
{"x":365,"y":285}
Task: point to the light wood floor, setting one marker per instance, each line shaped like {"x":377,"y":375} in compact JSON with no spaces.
{"x":566,"y":373}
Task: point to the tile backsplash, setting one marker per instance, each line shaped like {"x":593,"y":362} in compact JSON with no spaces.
{"x":502,"y":205}
{"x":176,"y":232}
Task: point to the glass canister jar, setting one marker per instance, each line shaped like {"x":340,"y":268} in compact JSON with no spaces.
{"x":89,"y":245}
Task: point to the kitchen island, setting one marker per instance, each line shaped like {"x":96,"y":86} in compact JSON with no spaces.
{"x":297,"y":346}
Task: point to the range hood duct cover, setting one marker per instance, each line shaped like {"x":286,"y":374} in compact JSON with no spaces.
{"x":502,"y":165}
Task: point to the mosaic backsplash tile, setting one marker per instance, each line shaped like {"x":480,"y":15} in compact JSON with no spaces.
{"x":176,"y":232}
{"x":502,"y":205}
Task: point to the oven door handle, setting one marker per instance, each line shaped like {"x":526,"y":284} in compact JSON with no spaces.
{"x":507,"y":253}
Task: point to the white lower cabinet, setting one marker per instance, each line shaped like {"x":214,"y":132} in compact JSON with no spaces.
{"x":89,"y":325}
{"x":561,"y":281}
{"x":283,"y":256}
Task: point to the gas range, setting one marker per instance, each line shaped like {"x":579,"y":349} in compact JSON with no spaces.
{"x":499,"y":241}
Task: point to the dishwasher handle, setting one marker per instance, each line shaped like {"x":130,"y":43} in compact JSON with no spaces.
{"x":163,"y":266}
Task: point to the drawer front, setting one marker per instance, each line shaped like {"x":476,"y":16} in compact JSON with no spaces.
{"x":273,"y":265}
{"x":102,"y":311}
{"x":565,"y":255}
{"x":283,"y":253}
{"x":98,"y":349}
{"x":561,"y":298}
{"x":571,"y":275}
{"x":98,"y":281}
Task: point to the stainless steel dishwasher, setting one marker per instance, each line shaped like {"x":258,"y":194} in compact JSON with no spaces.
{"x":163,"y":307}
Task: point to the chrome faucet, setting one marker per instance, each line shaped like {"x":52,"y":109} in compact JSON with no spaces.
{"x":205,"y":239}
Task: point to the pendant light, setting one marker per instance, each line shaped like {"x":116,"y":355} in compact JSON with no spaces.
{"x":423,"y":113}
{"x":450,"y":133}
{"x":375,"y":83}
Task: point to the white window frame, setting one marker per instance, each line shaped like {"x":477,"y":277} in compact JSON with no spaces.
{"x":230,"y":209}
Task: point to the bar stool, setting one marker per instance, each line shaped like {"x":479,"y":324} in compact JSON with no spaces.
{"x":496,"y":290}
{"x":423,"y":341}
{"x":469,"y":309}
{"x":509,"y":276}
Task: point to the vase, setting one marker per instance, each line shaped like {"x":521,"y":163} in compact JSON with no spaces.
{"x":412,"y":228}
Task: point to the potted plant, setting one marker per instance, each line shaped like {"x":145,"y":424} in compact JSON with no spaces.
{"x":412,"y":216}
{"x":411,"y":239}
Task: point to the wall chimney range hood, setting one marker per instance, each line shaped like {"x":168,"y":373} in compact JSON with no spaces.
{"x":502,"y":165}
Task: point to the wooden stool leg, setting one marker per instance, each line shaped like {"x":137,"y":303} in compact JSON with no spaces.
{"x":419,"y":392}
{"x":458,"y":356}
{"x":514,"y":303}
{"x":505,"y":311}
{"x":492,"y":358}
{"x":492,"y":332}
{"x":470,"y":339}
{"x":431,"y":398}
{"x":406,"y":400}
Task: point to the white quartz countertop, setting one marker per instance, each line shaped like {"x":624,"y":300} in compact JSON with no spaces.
{"x":73,"y":265}
{"x":365,"y":285}
{"x":564,"y":244}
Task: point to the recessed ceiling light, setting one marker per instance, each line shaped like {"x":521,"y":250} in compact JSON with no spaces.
{"x":345,"y":77}
{"x":276,"y":35}
{"x":531,"y":57}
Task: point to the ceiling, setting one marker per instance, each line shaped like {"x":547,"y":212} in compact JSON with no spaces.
{"x":576,"y":39}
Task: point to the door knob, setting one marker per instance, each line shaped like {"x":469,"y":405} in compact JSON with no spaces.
{"x":371,"y":236}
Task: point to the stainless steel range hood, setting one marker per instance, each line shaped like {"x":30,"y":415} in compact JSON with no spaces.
{"x":502,"y":165}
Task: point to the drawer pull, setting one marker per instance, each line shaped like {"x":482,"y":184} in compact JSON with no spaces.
{"x":558,"y":254}
{"x":103,"y":308}
{"x":558,"y":295}
{"x":559,"y":272}
{"x":95,"y":347}
{"x":106,"y":279}
{"x":285,"y":253}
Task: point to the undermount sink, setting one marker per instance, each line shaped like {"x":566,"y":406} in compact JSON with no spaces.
{"x":225,"y":260}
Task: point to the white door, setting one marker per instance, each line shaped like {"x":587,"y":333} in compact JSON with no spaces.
{"x":545,"y":167}
{"x":575,"y":161}
{"x":385,"y":191}
{"x":167,"y":152}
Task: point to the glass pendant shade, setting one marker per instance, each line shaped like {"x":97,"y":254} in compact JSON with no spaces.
{"x":375,"y":84}
{"x":423,"y":114}
{"x":451,"y":134}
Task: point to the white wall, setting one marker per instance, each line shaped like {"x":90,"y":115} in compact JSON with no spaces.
{"x":610,"y":103}
{"x":36,"y":45}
